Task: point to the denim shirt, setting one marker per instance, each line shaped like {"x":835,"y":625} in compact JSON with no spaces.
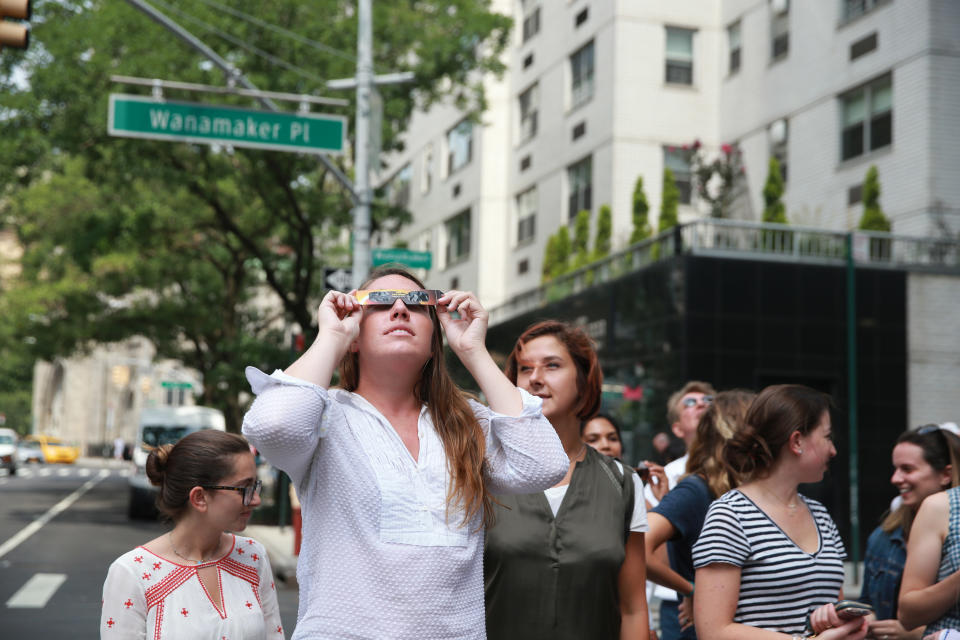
{"x":882,"y":571}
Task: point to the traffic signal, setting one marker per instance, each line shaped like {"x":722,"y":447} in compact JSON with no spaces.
{"x":13,"y":34}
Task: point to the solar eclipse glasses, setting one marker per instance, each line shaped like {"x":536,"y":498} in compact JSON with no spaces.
{"x":389,"y":296}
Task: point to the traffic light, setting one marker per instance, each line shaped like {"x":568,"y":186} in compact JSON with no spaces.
{"x":13,"y":34}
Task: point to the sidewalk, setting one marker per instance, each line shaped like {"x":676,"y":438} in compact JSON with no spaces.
{"x":279,"y":544}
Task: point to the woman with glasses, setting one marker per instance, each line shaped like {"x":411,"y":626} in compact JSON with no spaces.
{"x":930,"y":590}
{"x":566,"y":562}
{"x":395,"y":469}
{"x":198,"y":580}
{"x":767,"y":556}
{"x":925,"y":461}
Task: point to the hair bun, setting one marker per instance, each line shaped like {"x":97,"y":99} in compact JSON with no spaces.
{"x":156,"y":466}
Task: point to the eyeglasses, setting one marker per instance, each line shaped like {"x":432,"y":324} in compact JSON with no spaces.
{"x":389,"y":296}
{"x":692,"y":402}
{"x":248,"y":491}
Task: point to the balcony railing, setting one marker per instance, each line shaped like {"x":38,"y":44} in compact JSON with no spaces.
{"x":749,"y":241}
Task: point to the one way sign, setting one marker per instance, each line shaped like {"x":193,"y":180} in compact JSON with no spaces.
{"x":337,"y":279}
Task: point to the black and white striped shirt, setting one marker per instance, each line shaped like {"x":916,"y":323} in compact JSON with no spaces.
{"x":780,"y":583}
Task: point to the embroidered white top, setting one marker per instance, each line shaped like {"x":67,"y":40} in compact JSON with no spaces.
{"x":381,"y":556}
{"x":146,"y":596}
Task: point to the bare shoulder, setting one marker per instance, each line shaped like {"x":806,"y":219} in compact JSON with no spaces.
{"x":933,"y":515}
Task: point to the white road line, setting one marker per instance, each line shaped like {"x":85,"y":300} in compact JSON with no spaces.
{"x":63,"y":473}
{"x":37,"y":591}
{"x":64,"y":504}
{"x":84,"y":473}
{"x":45,"y":471}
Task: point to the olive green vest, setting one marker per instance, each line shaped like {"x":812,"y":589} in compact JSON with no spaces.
{"x":556,"y":577}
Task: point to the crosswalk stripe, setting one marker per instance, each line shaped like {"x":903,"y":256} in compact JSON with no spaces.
{"x":83,"y":473}
{"x":37,"y":591}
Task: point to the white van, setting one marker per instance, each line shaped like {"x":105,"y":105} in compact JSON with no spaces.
{"x":159,"y":426}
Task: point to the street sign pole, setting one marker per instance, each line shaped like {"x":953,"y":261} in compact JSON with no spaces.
{"x":361,"y":213}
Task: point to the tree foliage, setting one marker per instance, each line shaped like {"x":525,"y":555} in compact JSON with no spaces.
{"x":640,"y":209}
{"x":602,"y":243}
{"x":207,"y":251}
{"x":873,"y":218}
{"x":563,"y":251}
{"x":669,"y":201}
{"x":773,"y":209}
{"x":581,"y":239}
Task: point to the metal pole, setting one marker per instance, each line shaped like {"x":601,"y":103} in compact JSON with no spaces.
{"x":852,"y":402}
{"x":361,"y":212}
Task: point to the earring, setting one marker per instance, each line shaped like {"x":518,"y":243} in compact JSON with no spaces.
{"x":800,"y":452}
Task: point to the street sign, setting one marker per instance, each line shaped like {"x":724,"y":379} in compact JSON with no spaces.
{"x":144,"y":117}
{"x":415,"y":259}
{"x":338,"y":279}
{"x":172,"y":384}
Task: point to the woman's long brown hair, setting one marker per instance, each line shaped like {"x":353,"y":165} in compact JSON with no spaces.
{"x":462,"y":436}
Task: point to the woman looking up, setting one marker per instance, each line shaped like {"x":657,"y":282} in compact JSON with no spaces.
{"x":768,"y":556}
{"x":925,"y":461}
{"x":395,"y":469}
{"x":196,"y":581}
{"x":567,"y":563}
{"x":678,"y":518}
{"x":603,"y":434}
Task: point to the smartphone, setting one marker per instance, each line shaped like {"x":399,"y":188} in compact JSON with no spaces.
{"x":850,"y":609}
{"x":644,"y":472}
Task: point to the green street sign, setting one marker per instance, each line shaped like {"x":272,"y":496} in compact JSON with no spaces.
{"x":169,"y":384}
{"x":415,"y":259}
{"x":144,"y":117}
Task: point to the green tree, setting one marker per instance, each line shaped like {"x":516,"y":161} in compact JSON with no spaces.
{"x":562,"y":265}
{"x":668,"y":202}
{"x":549,"y":259}
{"x":581,"y":239}
{"x":641,"y":225}
{"x":773,"y":209}
{"x":873,"y":218}
{"x":602,"y":243}
{"x":177,"y":241}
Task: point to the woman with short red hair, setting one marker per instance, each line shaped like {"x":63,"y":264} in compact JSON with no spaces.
{"x":567,"y":562}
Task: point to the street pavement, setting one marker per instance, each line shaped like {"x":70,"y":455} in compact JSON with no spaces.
{"x":60,"y":528}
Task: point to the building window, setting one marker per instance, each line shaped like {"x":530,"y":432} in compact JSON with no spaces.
{"x":867,"y":118}
{"x":678,"y":161}
{"x":526,"y":216}
{"x":529,"y":106}
{"x":531,"y":19}
{"x":779,"y":135}
{"x":581,"y":18}
{"x":581,"y":74}
{"x":398,"y":189}
{"x":580,"y":184}
{"x":458,"y":238}
{"x":779,"y":29}
{"x":679,"y":56}
{"x":426,"y":176}
{"x":523,"y":266}
{"x":863,"y":46}
{"x":459,"y":146}
{"x":733,"y":42}
{"x":856,"y":8}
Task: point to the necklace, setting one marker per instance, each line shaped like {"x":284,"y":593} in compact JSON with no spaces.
{"x":583,"y":447}
{"x":785,"y":503}
{"x":183,"y":557}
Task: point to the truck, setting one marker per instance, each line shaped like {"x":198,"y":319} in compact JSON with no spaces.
{"x":159,"y":426}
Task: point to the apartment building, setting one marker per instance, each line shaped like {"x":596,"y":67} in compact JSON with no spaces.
{"x":598,"y":93}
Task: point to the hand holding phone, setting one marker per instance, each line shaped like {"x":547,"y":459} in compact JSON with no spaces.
{"x":850,"y":609}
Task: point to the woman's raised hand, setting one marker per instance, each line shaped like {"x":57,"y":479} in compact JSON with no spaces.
{"x":467,"y":334}
{"x":339,"y":317}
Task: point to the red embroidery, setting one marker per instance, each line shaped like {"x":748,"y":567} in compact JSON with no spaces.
{"x":157,"y":565}
{"x":272,"y":586}
{"x":184,"y":612}
{"x":110,"y":623}
{"x":250,"y":541}
{"x":240,"y":550}
{"x":138,"y":559}
{"x":146,"y":576}
{"x":128,"y":603}
{"x":249,"y":605}
{"x":255,"y":557}
{"x":279,"y":629}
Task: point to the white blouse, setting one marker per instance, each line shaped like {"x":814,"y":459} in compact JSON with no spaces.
{"x":146,"y":596}
{"x":382,"y":555}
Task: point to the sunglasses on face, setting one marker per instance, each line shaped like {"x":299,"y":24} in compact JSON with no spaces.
{"x":389,"y":296}
{"x":248,"y":492}
{"x":692,"y":402}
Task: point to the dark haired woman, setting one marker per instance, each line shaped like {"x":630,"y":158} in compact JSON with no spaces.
{"x":603,"y":434}
{"x":196,"y":581}
{"x":768,"y":556}
{"x":678,"y":518}
{"x":567,"y":562}
{"x":925,"y":461}
{"x":394,"y":470}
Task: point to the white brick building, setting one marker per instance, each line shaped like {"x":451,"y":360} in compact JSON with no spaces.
{"x":597,"y":93}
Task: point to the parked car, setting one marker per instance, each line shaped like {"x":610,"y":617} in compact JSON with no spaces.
{"x":56,"y":450}
{"x":159,"y":426}
{"x":8,"y":451}
{"x":29,"y":451}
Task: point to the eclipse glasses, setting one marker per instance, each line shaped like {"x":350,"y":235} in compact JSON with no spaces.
{"x":389,"y":296}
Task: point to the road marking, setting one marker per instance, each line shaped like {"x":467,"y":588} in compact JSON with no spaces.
{"x":64,"y":504}
{"x":63,"y":473}
{"x":37,"y":591}
{"x":84,"y":473}
{"x":45,"y":472}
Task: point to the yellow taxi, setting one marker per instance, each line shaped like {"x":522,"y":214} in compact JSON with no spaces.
{"x":55,"y":449}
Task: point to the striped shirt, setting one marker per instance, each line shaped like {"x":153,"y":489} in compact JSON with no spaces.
{"x":780,"y":583}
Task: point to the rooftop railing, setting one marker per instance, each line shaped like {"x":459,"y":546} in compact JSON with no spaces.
{"x":749,"y":241}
